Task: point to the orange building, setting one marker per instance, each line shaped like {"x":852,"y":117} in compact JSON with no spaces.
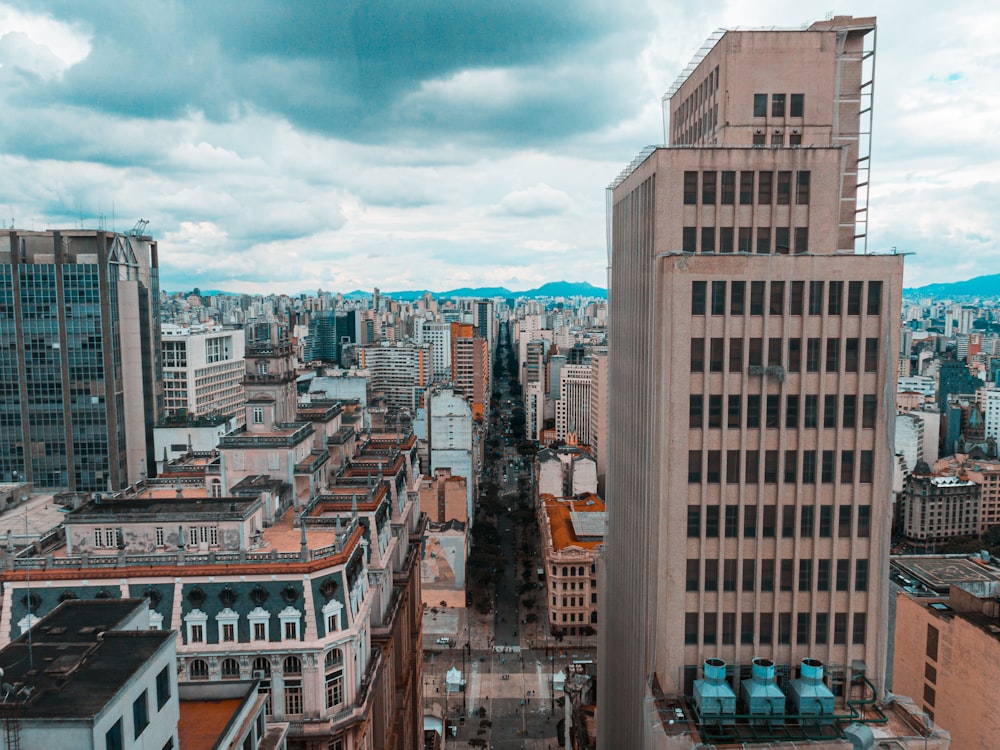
{"x":470,"y":367}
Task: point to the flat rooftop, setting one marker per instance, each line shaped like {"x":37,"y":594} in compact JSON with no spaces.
{"x":203,"y":722}
{"x":941,"y":572}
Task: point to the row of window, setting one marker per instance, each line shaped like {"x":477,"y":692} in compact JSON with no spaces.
{"x":781,"y":243}
{"x":574,"y":601}
{"x":796,"y":105}
{"x":804,"y":635}
{"x":714,"y":521}
{"x":800,"y":411}
{"x":818,"y":573}
{"x":114,"y":738}
{"x":745,"y":465}
{"x":573,"y":570}
{"x":834,"y":355}
{"x":764,"y":188}
{"x":730,"y":297}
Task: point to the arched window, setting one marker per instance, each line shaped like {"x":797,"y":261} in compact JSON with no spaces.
{"x":292,"y":668}
{"x":198,"y":669}
{"x":334,"y":665}
{"x":565,"y":570}
{"x":230,"y":669}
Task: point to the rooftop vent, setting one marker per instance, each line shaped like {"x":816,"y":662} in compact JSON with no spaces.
{"x":714,"y":699}
{"x":809,"y":694}
{"x":761,"y":695}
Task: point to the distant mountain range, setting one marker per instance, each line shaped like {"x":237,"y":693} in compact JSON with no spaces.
{"x":980,"y":286}
{"x":552,"y":289}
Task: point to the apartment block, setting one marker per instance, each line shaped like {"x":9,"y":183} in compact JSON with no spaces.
{"x":202,"y":371}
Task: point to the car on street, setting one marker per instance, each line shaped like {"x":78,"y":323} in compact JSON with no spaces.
{"x":443,"y":641}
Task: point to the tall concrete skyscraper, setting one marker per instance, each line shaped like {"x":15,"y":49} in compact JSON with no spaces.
{"x":752,"y":353}
{"x":80,"y":381}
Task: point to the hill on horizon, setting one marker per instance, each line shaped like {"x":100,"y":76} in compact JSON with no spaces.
{"x":979,"y":286}
{"x":550,"y":289}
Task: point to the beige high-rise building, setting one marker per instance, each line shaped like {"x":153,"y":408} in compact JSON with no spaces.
{"x":752,"y":365}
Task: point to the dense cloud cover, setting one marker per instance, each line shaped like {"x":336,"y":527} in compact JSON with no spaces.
{"x":279,"y":146}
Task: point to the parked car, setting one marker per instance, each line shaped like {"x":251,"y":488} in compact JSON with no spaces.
{"x":443,"y":641}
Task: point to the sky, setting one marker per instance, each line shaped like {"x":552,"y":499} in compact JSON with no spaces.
{"x":434,"y":144}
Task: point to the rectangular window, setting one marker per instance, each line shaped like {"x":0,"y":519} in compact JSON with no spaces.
{"x":697,"y":355}
{"x":748,"y":574}
{"x":784,"y":628}
{"x":860,"y":575}
{"x":823,"y":574}
{"x":291,"y":631}
{"x":782,"y":241}
{"x":770,"y":467}
{"x":809,"y":467}
{"x":777,"y":105}
{"x":693,"y":575}
{"x":753,"y":410}
{"x":833,"y":355}
{"x":689,"y":239}
{"x":691,"y":628}
{"x":756,"y":298}
{"x":694,"y":516}
{"x":866,"y":467}
{"x":698,"y":294}
{"x":259,"y":631}
{"x":735,"y":355}
{"x":796,"y":297}
{"x":802,"y":187}
{"x":734,"y":415}
{"x":228,"y":632}
{"x":810,"y":410}
{"x":763,"y":240}
{"x":825,"y":521}
{"x":716,"y":348}
{"x":791,"y":467}
{"x":746,"y":188}
{"x":752,"y":467}
{"x":835,"y":297}
{"x":806,"y":515}
{"x":732,"y":524}
{"x":708,"y":188}
{"x":805,"y":575}
{"x":802,"y":629}
{"x":868,"y":404}
{"x":729,"y":574}
{"x":815,"y":297}
{"x":784,"y":188}
{"x":822,"y":628}
{"x":725,"y":239}
{"x":864,"y":521}
{"x":197,"y":634}
{"x":826,"y":471}
{"x":712,"y":522}
{"x":769,"y":522}
{"x":732,"y":466}
{"x":715,"y":410}
{"x":708,"y":239}
{"x":785,"y":578}
{"x":774,"y":352}
{"x":760,"y":105}
{"x":859,"y":630}
{"x":772,"y":414}
{"x":840,"y":628}
{"x":830,"y":411}
{"x":746,"y":629}
{"x":794,"y":355}
{"x":690,"y":188}
{"x":844,"y":517}
{"x":749,"y":521}
{"x":847,"y":467}
{"x":787,"y":521}
{"x":874,"y":306}
{"x":767,"y":574}
{"x":710,"y":634}
{"x":791,"y":411}
{"x":728,"y":628}
{"x":713,"y":469}
{"x":695,"y":410}
{"x":159,"y":536}
{"x":766,"y":630}
{"x":755,"y":355}
{"x":812,"y":355}
{"x":765,"y":188}
{"x":728,"y":192}
{"x":843,"y":574}
{"x":851,"y":354}
{"x":932,"y":643}
{"x":140,"y":714}
{"x":801,"y":240}
{"x":162,"y":687}
{"x":745,"y":235}
{"x":796,"y":104}
{"x":113,"y":738}
{"x":850,"y":420}
{"x":737,"y":297}
{"x":777,"y":297}
{"x":694,"y":467}
{"x":871,"y":355}
{"x":854,"y":297}
{"x":929,"y":695}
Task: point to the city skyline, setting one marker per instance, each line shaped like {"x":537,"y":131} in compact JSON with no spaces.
{"x":285,"y":150}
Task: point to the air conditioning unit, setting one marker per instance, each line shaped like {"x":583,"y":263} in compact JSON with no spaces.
{"x":259,"y":674}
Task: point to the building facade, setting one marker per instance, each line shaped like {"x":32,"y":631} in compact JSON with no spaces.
{"x":80,"y":377}
{"x":202,"y":371}
{"x":752,"y":370}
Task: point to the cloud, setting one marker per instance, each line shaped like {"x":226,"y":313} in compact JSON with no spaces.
{"x":538,"y":200}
